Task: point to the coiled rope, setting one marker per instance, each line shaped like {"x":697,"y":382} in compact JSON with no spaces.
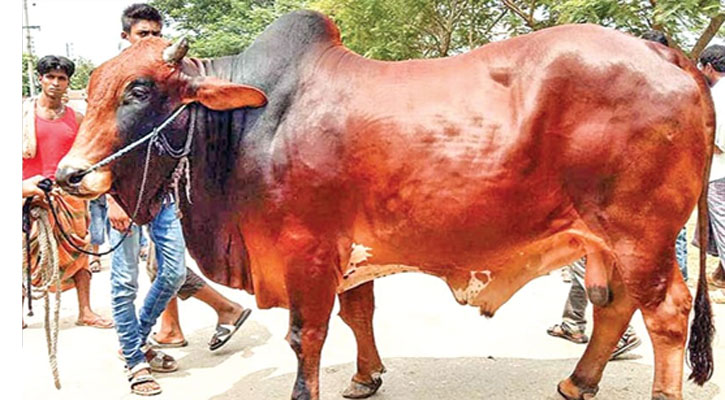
{"x":47,"y":274}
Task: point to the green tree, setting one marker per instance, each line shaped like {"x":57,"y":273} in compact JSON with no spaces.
{"x":26,"y":83}
{"x":82,"y":74}
{"x":689,"y":24}
{"x":404,"y":29}
{"x":222,"y":27}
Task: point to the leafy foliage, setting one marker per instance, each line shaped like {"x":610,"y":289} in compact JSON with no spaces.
{"x":26,"y":82}
{"x":80,"y":77}
{"x":223,"y":27}
{"x":405,"y":29}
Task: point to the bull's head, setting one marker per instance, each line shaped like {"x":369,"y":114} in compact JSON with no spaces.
{"x":127,"y":97}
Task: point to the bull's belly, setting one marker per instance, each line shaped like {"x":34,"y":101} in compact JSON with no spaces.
{"x":486,"y":282}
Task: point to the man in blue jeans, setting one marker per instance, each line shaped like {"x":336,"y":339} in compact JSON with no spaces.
{"x":165,"y":232}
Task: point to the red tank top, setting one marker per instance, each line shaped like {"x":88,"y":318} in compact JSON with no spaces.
{"x":54,"y":139}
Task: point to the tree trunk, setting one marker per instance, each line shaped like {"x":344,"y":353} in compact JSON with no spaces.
{"x":715,"y":24}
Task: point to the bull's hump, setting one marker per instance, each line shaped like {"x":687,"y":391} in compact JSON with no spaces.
{"x":302,"y":26}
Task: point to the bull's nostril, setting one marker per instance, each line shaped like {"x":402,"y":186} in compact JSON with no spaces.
{"x":69,"y":177}
{"x":75,"y":179}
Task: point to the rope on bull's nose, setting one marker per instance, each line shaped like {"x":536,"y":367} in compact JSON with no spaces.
{"x":183,"y":167}
{"x":155,"y":133}
{"x":47,"y":274}
{"x":154,"y":138}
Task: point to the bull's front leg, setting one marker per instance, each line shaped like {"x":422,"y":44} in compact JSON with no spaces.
{"x":311,"y":281}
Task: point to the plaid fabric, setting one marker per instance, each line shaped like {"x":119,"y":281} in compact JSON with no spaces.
{"x":74,"y":218}
{"x":716,"y":217}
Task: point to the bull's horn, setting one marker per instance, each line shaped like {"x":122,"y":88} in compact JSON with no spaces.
{"x":175,"y":52}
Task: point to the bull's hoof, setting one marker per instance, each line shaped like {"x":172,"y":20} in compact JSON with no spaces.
{"x":357,"y":390}
{"x":570,"y":391}
{"x":664,"y":396}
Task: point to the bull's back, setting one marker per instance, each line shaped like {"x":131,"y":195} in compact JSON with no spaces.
{"x":497,"y":142}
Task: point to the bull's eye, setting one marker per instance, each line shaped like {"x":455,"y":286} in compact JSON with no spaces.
{"x":140,"y":93}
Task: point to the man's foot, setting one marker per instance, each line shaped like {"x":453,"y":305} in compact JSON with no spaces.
{"x":224,"y":332}
{"x":160,"y":361}
{"x":627,"y":342}
{"x":168,"y":341}
{"x":142,"y":382}
{"x":230,"y":314}
{"x":559,"y":330}
{"x":94,"y":320}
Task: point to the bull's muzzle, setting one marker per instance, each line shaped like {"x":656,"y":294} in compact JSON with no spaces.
{"x":69,"y":178}
{"x":72,"y":175}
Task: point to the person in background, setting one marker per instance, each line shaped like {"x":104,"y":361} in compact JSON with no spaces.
{"x":49,"y":129}
{"x":712,"y":65}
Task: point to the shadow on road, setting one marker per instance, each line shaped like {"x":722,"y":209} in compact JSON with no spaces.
{"x":467,"y":378}
{"x":249,"y":336}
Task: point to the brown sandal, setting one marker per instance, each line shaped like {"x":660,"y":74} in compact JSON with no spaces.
{"x":95,"y":265}
{"x":137,"y":377}
{"x":558,"y":330}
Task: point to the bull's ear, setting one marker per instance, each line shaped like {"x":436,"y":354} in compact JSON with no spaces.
{"x":222,"y":95}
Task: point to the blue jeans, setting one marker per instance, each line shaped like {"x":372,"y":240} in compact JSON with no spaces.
{"x":142,"y":241}
{"x":165,"y":232}
{"x":681,"y":251}
{"x":99,"y":220}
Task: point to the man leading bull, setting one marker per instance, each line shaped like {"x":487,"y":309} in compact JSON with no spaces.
{"x":49,"y":128}
{"x":169,"y":274}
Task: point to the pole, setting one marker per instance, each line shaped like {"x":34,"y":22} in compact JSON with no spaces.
{"x":28,"y":42}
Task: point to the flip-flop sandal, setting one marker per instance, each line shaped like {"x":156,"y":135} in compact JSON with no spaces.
{"x":174,"y":345}
{"x":627,"y":342}
{"x":162,"y":362}
{"x":95,"y":265}
{"x":715,"y":284}
{"x":97,"y":323}
{"x":140,"y":379}
{"x":225,"y":332}
{"x":559,"y":331}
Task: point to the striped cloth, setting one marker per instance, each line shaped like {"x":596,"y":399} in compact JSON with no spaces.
{"x":74,"y":218}
{"x":716,"y":217}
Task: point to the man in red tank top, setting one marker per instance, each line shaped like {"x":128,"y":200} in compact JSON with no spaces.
{"x":49,"y":128}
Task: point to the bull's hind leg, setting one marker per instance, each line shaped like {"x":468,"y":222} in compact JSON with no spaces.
{"x":356,"y":309}
{"x":610,"y":322}
{"x":667,"y":326}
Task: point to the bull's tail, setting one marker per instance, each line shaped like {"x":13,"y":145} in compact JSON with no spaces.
{"x":702,"y":329}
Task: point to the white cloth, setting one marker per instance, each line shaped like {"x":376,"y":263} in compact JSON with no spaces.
{"x":717,"y":169}
{"x":29,"y":143}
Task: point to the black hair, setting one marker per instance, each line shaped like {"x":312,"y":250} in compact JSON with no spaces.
{"x":656,"y":36}
{"x":715,"y":56}
{"x":51,"y":63}
{"x":136,"y":12}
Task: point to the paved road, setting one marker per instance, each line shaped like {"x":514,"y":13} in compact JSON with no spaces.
{"x":433,"y":349}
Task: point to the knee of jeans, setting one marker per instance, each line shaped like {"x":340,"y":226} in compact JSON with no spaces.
{"x":122,"y":295}
{"x":173,"y":277}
